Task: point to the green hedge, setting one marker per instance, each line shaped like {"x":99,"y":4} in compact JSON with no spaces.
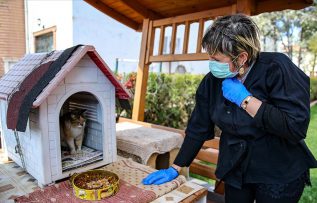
{"x":170,"y":98}
{"x":313,"y":88}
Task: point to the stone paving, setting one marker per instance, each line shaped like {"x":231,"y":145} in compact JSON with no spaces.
{"x":14,"y":181}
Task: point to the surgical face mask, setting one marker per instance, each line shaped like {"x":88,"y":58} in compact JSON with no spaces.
{"x":221,"y":70}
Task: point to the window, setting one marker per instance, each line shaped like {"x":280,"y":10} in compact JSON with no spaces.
{"x":9,"y":62}
{"x":45,"y":40}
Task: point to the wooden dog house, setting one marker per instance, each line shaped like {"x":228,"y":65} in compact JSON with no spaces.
{"x":83,"y":81}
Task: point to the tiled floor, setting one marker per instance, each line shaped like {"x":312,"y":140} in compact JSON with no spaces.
{"x":14,"y":181}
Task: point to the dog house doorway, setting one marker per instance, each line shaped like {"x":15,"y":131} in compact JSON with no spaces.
{"x":92,"y":143}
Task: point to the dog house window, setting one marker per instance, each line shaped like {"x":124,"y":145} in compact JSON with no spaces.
{"x":45,"y":40}
{"x":92,"y":147}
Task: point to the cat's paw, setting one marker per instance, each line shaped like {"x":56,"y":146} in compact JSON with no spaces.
{"x":72,"y":152}
{"x":79,"y":151}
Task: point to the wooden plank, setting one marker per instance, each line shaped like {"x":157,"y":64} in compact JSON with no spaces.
{"x":150,"y":125}
{"x":210,"y":155}
{"x":200,"y":35}
{"x":151,"y":38}
{"x":196,"y":196}
{"x":246,"y":6}
{"x":141,"y":10}
{"x":186,"y":37}
{"x":114,"y":14}
{"x":203,"y":170}
{"x":212,"y":13}
{"x":214,"y":143}
{"x":179,"y":57}
{"x":173,"y":38}
{"x":161,"y":42}
{"x":273,"y":5}
{"x":142,"y":77}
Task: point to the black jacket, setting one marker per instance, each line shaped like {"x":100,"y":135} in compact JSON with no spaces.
{"x":269,"y":147}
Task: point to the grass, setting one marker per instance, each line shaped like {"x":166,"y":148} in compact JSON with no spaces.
{"x":310,"y":193}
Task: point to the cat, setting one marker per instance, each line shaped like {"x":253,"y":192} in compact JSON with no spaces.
{"x":72,"y":129}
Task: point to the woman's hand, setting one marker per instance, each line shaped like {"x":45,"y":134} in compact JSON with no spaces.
{"x":234,"y":91}
{"x":160,"y":176}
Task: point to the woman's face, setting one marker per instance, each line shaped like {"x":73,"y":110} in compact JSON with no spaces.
{"x":223,"y":59}
{"x":241,"y":59}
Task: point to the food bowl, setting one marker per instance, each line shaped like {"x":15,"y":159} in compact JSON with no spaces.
{"x":95,"y":184}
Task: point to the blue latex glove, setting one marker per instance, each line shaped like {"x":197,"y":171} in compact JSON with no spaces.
{"x":160,"y":176}
{"x":234,"y":91}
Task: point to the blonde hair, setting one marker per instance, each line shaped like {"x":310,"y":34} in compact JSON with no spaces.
{"x":230,"y":35}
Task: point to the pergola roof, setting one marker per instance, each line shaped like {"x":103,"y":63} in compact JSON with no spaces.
{"x":133,"y":12}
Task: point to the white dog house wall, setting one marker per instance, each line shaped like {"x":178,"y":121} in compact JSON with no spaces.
{"x":38,"y":89}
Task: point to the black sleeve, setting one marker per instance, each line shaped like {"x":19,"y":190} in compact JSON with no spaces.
{"x":199,"y":129}
{"x":286,"y":114}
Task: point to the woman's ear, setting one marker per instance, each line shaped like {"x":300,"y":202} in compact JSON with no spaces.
{"x":243,"y":58}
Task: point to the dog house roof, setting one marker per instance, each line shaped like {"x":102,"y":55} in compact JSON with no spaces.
{"x":11,"y":81}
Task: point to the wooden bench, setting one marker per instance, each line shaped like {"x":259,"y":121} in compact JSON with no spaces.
{"x":208,"y":153}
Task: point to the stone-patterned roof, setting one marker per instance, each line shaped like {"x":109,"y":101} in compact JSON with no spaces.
{"x":10,"y":82}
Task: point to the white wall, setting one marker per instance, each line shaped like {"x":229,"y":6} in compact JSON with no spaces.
{"x":110,"y":38}
{"x":52,"y":13}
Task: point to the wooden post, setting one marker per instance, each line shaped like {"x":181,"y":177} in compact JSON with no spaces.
{"x":142,"y":76}
{"x":186,"y":37}
{"x":200,"y":35}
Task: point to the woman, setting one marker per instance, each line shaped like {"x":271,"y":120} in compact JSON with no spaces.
{"x":260,"y":101}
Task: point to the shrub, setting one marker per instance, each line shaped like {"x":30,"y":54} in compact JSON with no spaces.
{"x":170,"y":98}
{"x":313,"y":88}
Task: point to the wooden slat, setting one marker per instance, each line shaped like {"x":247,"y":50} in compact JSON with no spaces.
{"x":214,"y":143}
{"x":112,"y":13}
{"x":141,"y":10}
{"x":274,"y":5}
{"x":186,"y":37}
{"x":210,"y":155}
{"x":179,"y":57}
{"x":151,"y":38}
{"x":200,"y":35}
{"x":212,"y":13}
{"x":142,"y":77}
{"x":173,"y":38}
{"x":161,"y":42}
{"x":203,"y":170}
{"x":150,"y":125}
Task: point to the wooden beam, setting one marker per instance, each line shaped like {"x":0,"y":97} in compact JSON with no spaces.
{"x":200,"y":35}
{"x":179,"y":57}
{"x":142,"y":77}
{"x":210,"y":14}
{"x":246,"y":6}
{"x":186,"y":37}
{"x":273,"y":5}
{"x":173,"y":39}
{"x":114,"y":14}
{"x":141,"y":10}
{"x":161,"y":42}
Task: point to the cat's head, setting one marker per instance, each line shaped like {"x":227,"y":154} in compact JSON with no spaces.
{"x":77,"y":118}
